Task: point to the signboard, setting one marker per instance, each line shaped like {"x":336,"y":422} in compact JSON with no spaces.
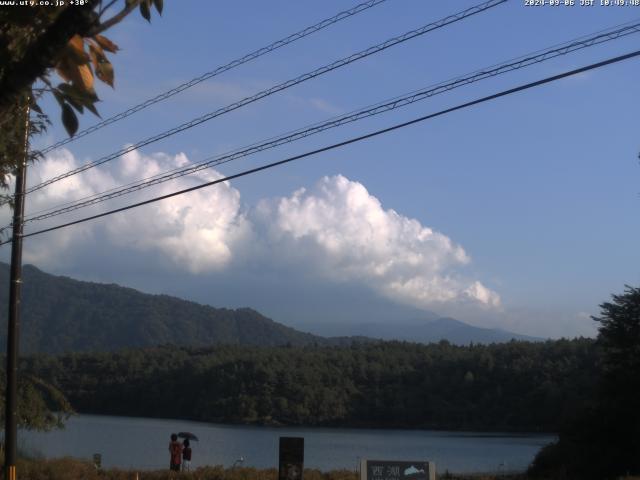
{"x":97,"y":461}
{"x":291,"y":458}
{"x":396,"y":470}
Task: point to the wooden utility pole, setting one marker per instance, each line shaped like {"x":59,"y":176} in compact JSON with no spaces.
{"x":13,"y":327}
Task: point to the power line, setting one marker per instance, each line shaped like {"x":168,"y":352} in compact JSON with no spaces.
{"x":282,"y":86}
{"x":382,"y":107}
{"x":346,"y":142}
{"x":217,"y":71}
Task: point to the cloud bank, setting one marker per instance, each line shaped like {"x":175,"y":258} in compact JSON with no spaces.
{"x":336,"y":231}
{"x":196,"y":231}
{"x":342,"y":231}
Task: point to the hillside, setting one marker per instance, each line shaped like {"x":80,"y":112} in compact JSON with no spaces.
{"x":61,"y":314}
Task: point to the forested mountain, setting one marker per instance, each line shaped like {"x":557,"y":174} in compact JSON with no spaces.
{"x":60,"y":314}
{"x":515,"y":386}
{"x":239,"y":366}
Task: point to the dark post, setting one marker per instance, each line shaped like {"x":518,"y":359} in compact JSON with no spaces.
{"x":291,"y":462}
{"x":11,"y":405}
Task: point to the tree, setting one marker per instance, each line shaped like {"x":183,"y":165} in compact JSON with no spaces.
{"x":35,"y":42}
{"x":12,"y":136}
{"x":619,"y":338}
{"x":42,"y":406}
{"x":604,"y":442}
{"x":619,"y":396}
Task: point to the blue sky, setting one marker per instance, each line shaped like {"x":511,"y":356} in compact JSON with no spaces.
{"x":540,"y":189}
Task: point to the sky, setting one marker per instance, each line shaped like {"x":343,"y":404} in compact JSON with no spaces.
{"x":520,"y":213}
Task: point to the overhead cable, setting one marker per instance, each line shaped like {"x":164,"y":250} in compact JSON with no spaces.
{"x":346,"y":142}
{"x":388,"y":105}
{"x":217,"y":71}
{"x":277,"y":88}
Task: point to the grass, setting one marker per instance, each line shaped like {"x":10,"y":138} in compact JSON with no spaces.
{"x":73,"y":469}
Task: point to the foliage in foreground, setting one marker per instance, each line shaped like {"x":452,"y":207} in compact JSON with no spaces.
{"x":603,"y":442}
{"x":41,"y":406}
{"x":73,"y":469}
{"x":37,"y":40}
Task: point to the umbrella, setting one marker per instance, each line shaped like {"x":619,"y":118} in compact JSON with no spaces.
{"x":188,"y":435}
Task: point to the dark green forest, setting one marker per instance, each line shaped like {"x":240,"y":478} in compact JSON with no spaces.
{"x":516,"y":386}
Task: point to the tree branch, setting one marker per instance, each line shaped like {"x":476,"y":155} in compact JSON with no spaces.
{"x":107,"y":7}
{"x":117,"y":18}
{"x":40,"y":56}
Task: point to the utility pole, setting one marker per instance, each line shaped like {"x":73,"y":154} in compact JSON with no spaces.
{"x":13,"y":327}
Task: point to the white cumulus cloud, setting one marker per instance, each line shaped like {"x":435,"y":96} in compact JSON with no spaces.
{"x":341,"y":230}
{"x":194,"y":231}
{"x":336,"y":232}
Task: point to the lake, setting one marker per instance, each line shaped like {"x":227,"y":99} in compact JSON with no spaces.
{"x":142,"y":443}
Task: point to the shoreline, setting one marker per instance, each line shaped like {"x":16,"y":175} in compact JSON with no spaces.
{"x":143,"y":442}
{"x":359,"y":427}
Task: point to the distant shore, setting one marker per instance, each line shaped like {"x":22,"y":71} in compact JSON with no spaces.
{"x":341,"y":425}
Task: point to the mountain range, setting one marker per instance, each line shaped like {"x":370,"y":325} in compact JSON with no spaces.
{"x":60,"y":314}
{"x":426,"y":328}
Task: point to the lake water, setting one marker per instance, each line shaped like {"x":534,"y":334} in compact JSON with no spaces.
{"x":142,"y":443}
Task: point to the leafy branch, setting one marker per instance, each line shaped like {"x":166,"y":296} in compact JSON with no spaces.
{"x":38,"y":40}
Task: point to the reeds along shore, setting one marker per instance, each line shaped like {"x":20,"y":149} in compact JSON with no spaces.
{"x":73,"y":469}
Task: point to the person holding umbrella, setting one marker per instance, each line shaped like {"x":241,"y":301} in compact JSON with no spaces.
{"x":186,"y":450}
{"x":186,"y":456}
